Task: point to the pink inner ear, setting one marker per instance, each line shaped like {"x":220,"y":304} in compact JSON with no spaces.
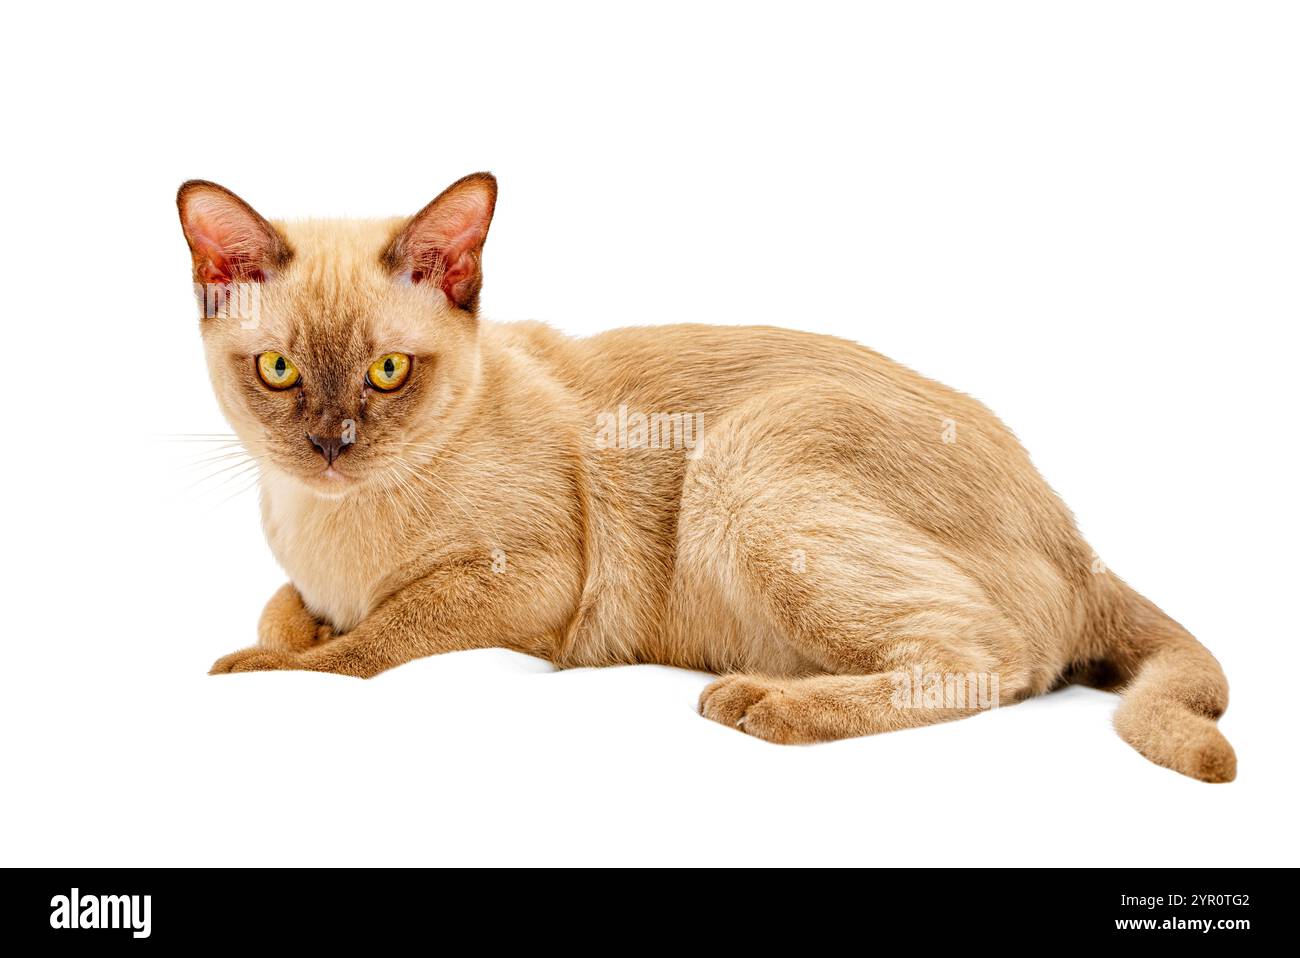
{"x":458,"y":279}
{"x":217,"y":265}
{"x":442,"y":243}
{"x":229,"y":242}
{"x":452,"y":261}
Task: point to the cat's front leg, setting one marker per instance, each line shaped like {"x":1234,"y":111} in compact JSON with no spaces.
{"x":362,"y":653}
{"x":285,"y":629}
{"x":457,"y":607}
{"x":287,"y":626}
{"x":256,"y":659}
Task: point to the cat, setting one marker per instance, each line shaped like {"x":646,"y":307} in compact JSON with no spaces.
{"x":851,"y":547}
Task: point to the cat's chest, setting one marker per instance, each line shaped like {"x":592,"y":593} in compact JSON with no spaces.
{"x":337,"y":557}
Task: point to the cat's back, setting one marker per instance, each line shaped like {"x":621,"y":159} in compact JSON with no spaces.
{"x":710,"y":369}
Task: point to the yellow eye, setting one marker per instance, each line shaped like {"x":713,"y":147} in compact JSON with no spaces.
{"x":389,"y":372}
{"x":276,"y":370}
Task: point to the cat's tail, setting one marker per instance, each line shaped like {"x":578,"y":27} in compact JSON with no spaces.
{"x":1173,"y":690}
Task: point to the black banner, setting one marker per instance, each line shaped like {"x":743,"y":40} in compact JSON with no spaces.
{"x":99,"y":908}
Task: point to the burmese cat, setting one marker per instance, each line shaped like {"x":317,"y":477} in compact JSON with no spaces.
{"x":432,"y":482}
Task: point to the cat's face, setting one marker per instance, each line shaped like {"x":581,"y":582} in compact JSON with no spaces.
{"x":341,"y":351}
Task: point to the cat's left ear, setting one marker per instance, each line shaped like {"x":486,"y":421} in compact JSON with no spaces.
{"x":229,"y":240}
{"x":443,"y":243}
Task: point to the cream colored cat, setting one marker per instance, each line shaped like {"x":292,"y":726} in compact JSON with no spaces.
{"x":853,"y":547}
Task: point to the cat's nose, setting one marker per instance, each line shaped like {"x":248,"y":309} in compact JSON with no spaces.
{"x":331,"y":447}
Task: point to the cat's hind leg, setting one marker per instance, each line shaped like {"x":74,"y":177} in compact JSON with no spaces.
{"x":900,"y":638}
{"x":894,"y":633}
{"x":825,"y":707}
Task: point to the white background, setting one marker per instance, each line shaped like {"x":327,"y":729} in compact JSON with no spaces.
{"x":1086,"y":215}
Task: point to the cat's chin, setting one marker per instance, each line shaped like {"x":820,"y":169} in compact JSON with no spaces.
{"x":330,"y":483}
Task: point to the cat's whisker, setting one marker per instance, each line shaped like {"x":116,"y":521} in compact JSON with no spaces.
{"x":221,"y":449}
{"x":195,"y":435}
{"x":419,"y":501}
{"x":441,"y":452}
{"x":244,"y":462}
{"x":257,"y":480}
{"x":416,"y":501}
{"x":236,"y":474}
{"x":216,"y":458}
{"x":434,"y":483}
{"x":218,"y":438}
{"x":474,"y":514}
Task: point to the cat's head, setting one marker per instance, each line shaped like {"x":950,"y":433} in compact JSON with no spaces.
{"x":340,"y":349}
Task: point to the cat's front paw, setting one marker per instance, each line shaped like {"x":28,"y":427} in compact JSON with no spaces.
{"x":287,"y":626}
{"x":254,"y":660}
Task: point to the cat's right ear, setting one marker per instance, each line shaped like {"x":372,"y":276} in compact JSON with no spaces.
{"x":229,"y":241}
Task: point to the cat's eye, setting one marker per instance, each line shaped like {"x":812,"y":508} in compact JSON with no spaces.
{"x":389,"y":372}
{"x":276,"y":370}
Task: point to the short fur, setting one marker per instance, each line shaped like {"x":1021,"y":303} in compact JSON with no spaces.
{"x":823,"y":539}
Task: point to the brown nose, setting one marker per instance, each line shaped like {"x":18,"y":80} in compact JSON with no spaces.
{"x":330,"y":447}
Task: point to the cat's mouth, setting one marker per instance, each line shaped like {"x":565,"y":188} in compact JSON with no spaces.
{"x":330,"y":480}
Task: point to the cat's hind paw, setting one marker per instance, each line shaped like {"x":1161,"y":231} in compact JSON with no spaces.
{"x":757,"y":706}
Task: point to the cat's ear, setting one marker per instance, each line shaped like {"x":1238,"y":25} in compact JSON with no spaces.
{"x":229,"y":241}
{"x":443,"y":243}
